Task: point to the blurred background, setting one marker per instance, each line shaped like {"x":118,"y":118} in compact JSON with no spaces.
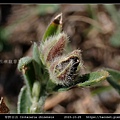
{"x":93,"y":28}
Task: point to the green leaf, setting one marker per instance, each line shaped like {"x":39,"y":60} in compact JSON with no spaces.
{"x":23,"y":61}
{"x":36,"y":91}
{"x":38,"y":66}
{"x":92,"y":78}
{"x":114,"y":73}
{"x":114,"y":79}
{"x":41,"y":72}
{"x":114,"y":84}
{"x":24,"y":102}
{"x":55,"y":27}
{"x":25,"y":65}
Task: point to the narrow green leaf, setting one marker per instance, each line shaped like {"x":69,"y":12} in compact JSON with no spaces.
{"x":114,"y":84}
{"x":92,"y":78}
{"x":114,"y":73}
{"x":25,"y":65}
{"x":38,"y":66}
{"x":114,"y":79}
{"x":24,"y":102}
{"x":36,"y":91}
{"x":54,"y":27}
{"x":41,"y":72}
{"x":23,"y":61}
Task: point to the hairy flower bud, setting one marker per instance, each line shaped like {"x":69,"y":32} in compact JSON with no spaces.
{"x":53,"y":47}
{"x":65,"y":68}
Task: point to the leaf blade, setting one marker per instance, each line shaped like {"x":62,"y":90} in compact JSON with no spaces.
{"x":54,"y":27}
{"x":94,"y":77}
{"x":25,"y":65}
{"x":23,"y":101}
